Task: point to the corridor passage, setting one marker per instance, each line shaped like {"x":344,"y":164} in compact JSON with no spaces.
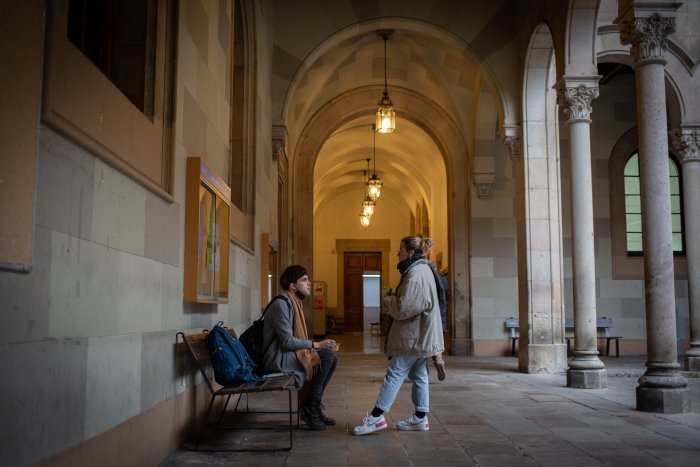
{"x":485,"y":413}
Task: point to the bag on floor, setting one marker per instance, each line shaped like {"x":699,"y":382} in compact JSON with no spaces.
{"x":229,"y":359}
{"x":252,"y":338}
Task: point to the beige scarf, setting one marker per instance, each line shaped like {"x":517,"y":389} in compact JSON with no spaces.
{"x":308,"y":358}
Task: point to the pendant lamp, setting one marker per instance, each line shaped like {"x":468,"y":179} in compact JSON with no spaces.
{"x":386,"y":116}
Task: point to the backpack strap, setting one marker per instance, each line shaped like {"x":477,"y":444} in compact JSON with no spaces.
{"x":289,"y":304}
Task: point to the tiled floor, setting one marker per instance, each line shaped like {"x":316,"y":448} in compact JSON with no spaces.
{"x":485,"y":413}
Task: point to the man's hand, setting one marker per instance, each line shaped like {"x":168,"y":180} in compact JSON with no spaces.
{"x":325,"y":344}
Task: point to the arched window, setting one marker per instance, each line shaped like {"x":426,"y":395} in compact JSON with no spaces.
{"x":626,"y":211}
{"x":243,"y":95}
{"x":633,"y":207}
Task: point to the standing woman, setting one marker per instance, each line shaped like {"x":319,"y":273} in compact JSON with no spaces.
{"x":415,"y":335}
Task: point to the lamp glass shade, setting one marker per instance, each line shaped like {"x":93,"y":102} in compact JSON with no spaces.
{"x":374,"y":187}
{"x":364,"y":220}
{"x":368,"y":207}
{"x":386,"y":116}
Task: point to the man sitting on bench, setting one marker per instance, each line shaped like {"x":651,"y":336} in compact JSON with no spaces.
{"x":289,"y":350}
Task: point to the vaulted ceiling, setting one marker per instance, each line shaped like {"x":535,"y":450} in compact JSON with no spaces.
{"x":324,"y":50}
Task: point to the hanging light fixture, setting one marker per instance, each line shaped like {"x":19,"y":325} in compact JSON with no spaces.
{"x":367,"y":204}
{"x":386,"y":116}
{"x":374,"y":185}
{"x":364,"y":220}
{"x":368,"y":207}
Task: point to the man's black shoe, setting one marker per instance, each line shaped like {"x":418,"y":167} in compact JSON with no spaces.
{"x":327,"y":420}
{"x":311,"y":415}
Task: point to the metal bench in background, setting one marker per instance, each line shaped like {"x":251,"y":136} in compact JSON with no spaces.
{"x":603,"y":323}
{"x":335,"y":325}
{"x":512,"y":324}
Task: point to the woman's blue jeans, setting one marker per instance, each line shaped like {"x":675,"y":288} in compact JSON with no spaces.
{"x":401,"y":366}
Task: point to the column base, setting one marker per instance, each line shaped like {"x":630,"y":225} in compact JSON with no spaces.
{"x":692,"y":364}
{"x":692,"y":357}
{"x":663,"y":400}
{"x":587,"y":379}
{"x":543,"y":358}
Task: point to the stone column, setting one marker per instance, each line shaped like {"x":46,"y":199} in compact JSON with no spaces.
{"x":662,"y":388}
{"x":585,"y":368}
{"x":540,"y":288}
{"x":686,"y":142}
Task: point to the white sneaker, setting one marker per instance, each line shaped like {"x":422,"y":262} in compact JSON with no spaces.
{"x":370,"y":424}
{"x":414,"y":423}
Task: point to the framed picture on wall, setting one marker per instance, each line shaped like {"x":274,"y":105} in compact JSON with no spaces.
{"x":207,"y":215}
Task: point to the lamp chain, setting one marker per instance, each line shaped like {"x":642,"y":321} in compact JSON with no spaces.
{"x":386,"y":87}
{"x":374,"y":150}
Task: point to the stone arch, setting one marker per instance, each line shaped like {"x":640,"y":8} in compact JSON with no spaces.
{"x":449,"y":140}
{"x":682,"y":98}
{"x":580,"y":58}
{"x":507,"y":102}
{"x":538,"y":204}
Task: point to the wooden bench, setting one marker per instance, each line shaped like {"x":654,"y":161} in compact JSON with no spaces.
{"x":202,"y":360}
{"x":603,"y":323}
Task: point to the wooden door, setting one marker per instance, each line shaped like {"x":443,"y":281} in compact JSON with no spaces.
{"x":353,"y":291}
{"x":372,"y":262}
{"x":354,"y":265}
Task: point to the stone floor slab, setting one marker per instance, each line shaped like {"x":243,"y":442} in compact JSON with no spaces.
{"x":484,"y":413}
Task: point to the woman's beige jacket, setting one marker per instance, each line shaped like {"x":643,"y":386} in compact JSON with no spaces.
{"x":416,"y":328}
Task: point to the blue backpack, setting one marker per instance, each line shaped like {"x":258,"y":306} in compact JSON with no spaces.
{"x":229,"y":360}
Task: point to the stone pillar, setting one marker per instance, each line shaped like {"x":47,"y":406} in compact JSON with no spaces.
{"x":686,"y":142}
{"x":662,"y":388}
{"x":541,"y":347}
{"x":585,"y":368}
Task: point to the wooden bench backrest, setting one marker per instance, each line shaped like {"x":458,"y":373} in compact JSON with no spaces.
{"x":512,"y":324}
{"x":200,"y":354}
{"x":604,"y":323}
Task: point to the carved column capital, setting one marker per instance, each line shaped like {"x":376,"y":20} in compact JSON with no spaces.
{"x":515,"y":145}
{"x":686,"y":143}
{"x":576,"y":100}
{"x":279,"y":140}
{"x":511,"y":135}
{"x":484,"y":183}
{"x":646,"y":34}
